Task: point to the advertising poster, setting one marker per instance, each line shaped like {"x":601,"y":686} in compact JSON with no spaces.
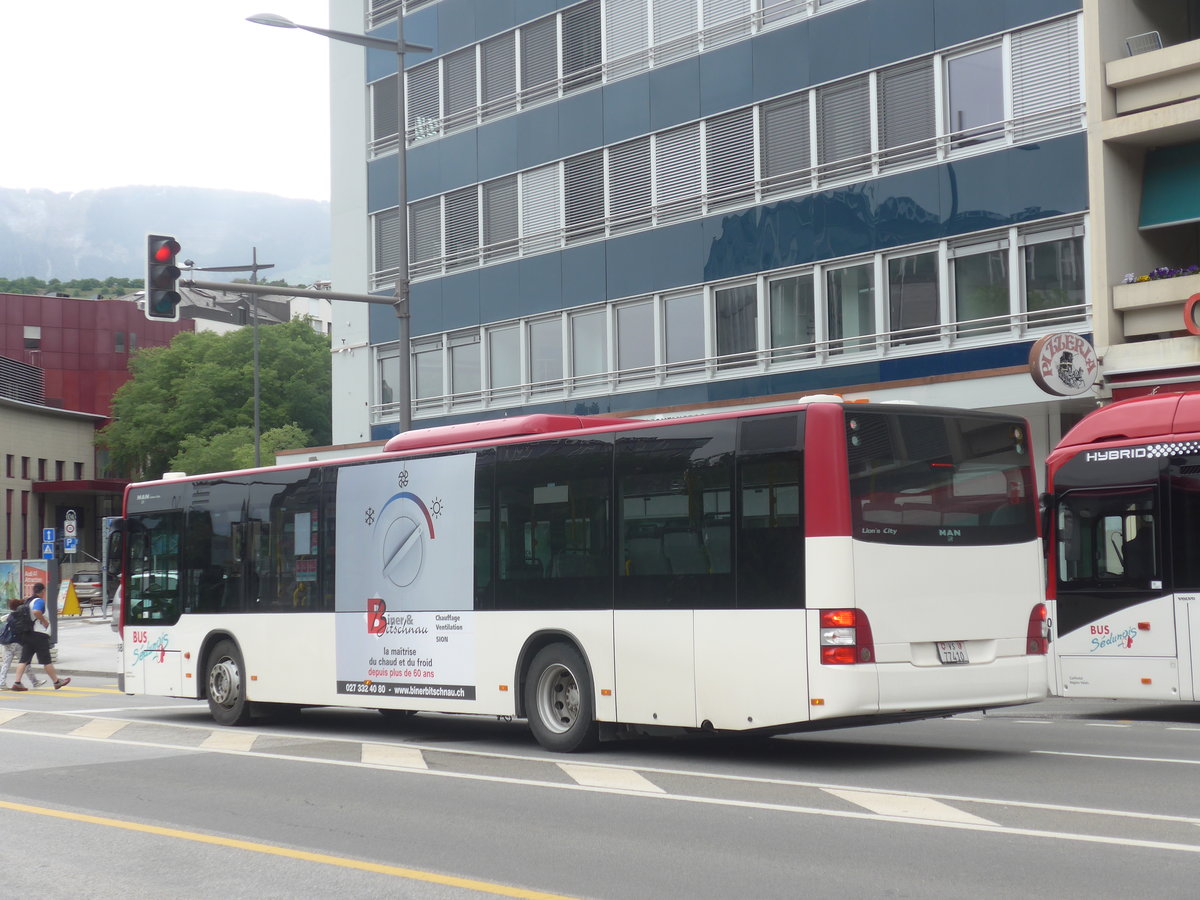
{"x":405,"y":552}
{"x":17,"y":579}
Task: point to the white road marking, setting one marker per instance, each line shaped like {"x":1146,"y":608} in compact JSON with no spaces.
{"x":100,"y":728}
{"x":6,"y":714}
{"x":1107,"y":724}
{"x":1032,"y":722}
{"x":229,"y":740}
{"x":392,"y":755}
{"x":903,"y":806}
{"x":610,"y":777}
{"x":1149,"y":759}
{"x":1173,"y":728}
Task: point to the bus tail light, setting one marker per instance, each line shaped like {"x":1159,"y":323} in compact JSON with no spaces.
{"x":846,"y":637}
{"x":1038,"y":636}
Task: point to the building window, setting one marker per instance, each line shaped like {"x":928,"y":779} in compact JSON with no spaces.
{"x":913,"y":297}
{"x":462,"y":228}
{"x":498,"y":64}
{"x":118,"y":342}
{"x":465,"y":365}
{"x":793,"y":317}
{"x":504,"y":357}
{"x":79,"y":471}
{"x":630,"y":193}
{"x":677,"y":173}
{"x":981,"y":291}
{"x":737,"y":324}
{"x":583,"y":191}
{"x":546,"y":353}
{"x":539,"y":59}
{"x":844,"y":128}
{"x":8,"y":465}
{"x":729,"y":157}
{"x":635,"y":340}
{"x":581,"y":59}
{"x":33,"y":337}
{"x":41,"y":470}
{"x":976,"y":96}
{"x":589,"y":343}
{"x":425,"y":241}
{"x":428,"y":364}
{"x":1053,"y":279}
{"x":389,"y":378}
{"x":25,"y":467}
{"x":906,"y":112}
{"x":683,"y":320}
{"x":850,"y":307}
{"x":501,"y":224}
{"x":459,"y":92}
{"x":424,"y":105}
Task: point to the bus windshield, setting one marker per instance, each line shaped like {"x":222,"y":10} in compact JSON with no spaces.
{"x":1107,"y":538}
{"x":932,"y":479}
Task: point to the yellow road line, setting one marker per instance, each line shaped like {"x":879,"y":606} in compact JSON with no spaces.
{"x":470,"y":884}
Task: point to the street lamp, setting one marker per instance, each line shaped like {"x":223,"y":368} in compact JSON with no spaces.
{"x":399,"y":47}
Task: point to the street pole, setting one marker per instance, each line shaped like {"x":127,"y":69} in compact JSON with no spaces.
{"x":404,"y":385}
{"x":400,"y":304}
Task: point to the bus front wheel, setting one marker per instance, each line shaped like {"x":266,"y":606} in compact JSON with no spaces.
{"x":559,"y":701}
{"x":227,"y":701}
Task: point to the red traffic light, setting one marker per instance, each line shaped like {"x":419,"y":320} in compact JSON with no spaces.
{"x":166,"y":250}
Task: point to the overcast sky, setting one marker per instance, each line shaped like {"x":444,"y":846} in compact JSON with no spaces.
{"x":239,"y":106}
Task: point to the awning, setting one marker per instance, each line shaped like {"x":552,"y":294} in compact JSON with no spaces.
{"x":1171,"y":187}
{"x":88,"y":486}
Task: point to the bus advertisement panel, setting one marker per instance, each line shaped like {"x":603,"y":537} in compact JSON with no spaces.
{"x":769,"y":570}
{"x":1124,"y":575}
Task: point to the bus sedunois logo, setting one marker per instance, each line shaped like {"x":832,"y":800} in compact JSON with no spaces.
{"x":1064,"y":364}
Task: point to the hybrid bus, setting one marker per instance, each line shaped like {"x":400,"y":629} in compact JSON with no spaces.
{"x":1124,"y":551}
{"x":770,"y":570}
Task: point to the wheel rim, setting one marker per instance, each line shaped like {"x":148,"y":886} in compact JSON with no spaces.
{"x":224,"y":682}
{"x":558,"y":698}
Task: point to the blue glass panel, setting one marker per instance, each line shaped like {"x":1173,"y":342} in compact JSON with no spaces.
{"x":425,"y":305}
{"x":383,"y":179}
{"x":839,"y":42}
{"x":456,"y":25}
{"x":420,"y":27}
{"x":726,"y":78}
{"x":626,"y":108}
{"x":458,"y":159}
{"x":424,"y":171}
{"x":955,"y":21}
{"x":675,"y":94}
{"x":493,"y":17}
{"x":781,"y":61}
{"x":498,"y":147}
{"x":580,"y":122}
{"x":907,"y":212}
{"x":526,"y":10}
{"x":537,"y":136}
{"x":899,"y":29}
{"x":583,"y":275}
{"x":460,"y":300}
{"x":1019,"y":12}
{"x":540,"y":282}
{"x":382,"y":324}
{"x":500,"y":292}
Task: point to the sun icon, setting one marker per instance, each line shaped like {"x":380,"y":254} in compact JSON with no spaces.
{"x":436,"y":508}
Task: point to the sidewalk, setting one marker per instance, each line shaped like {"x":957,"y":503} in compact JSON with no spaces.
{"x":87,"y":645}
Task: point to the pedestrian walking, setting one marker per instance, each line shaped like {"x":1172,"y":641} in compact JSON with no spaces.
{"x":12,"y":649}
{"x":35,"y":641}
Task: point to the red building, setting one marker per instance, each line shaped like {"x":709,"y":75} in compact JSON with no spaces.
{"x":82,"y":346}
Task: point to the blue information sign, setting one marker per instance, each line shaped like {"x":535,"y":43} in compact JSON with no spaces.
{"x":70,"y":544}
{"x":47,"y":535}
{"x":48,"y":550}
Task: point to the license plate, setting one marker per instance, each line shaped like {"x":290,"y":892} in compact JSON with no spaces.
{"x":952,"y":652}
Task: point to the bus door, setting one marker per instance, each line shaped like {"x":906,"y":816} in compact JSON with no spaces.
{"x":1184,"y":544}
{"x":1114,"y":616}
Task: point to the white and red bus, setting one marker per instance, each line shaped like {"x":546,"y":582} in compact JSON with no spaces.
{"x":1124,"y":552}
{"x":771,"y":570}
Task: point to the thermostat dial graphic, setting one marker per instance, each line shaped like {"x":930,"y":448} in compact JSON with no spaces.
{"x":403,"y":526}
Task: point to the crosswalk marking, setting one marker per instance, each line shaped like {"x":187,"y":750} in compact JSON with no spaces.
{"x":229,"y":740}
{"x":100,"y":728}
{"x":604,"y":777}
{"x":388,"y":755}
{"x":907,"y":807}
{"x":6,"y":714}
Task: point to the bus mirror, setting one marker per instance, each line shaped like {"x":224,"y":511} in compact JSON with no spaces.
{"x":1047,"y":504}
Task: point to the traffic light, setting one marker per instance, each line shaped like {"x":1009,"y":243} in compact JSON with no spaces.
{"x":162,"y":278}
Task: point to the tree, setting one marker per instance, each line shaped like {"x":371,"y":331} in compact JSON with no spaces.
{"x":184,"y":400}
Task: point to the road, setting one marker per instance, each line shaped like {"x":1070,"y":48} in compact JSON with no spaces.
{"x":111,"y":795}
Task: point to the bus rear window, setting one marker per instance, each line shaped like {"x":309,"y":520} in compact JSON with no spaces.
{"x":940,"y":479}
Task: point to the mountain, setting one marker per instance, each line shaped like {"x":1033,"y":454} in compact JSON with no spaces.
{"x":95,"y":234}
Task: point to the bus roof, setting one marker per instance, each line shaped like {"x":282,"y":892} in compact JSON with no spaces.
{"x":1139,"y":417}
{"x":495,"y":429}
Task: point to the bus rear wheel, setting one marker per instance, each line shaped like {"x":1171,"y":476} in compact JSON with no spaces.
{"x":559,"y":701}
{"x":227,"y":701}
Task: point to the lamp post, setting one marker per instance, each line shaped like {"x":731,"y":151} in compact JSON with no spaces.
{"x":399,"y":46}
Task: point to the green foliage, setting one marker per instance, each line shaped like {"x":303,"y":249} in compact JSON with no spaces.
{"x":234,"y":449}
{"x":80,"y":287}
{"x":185,"y":402}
